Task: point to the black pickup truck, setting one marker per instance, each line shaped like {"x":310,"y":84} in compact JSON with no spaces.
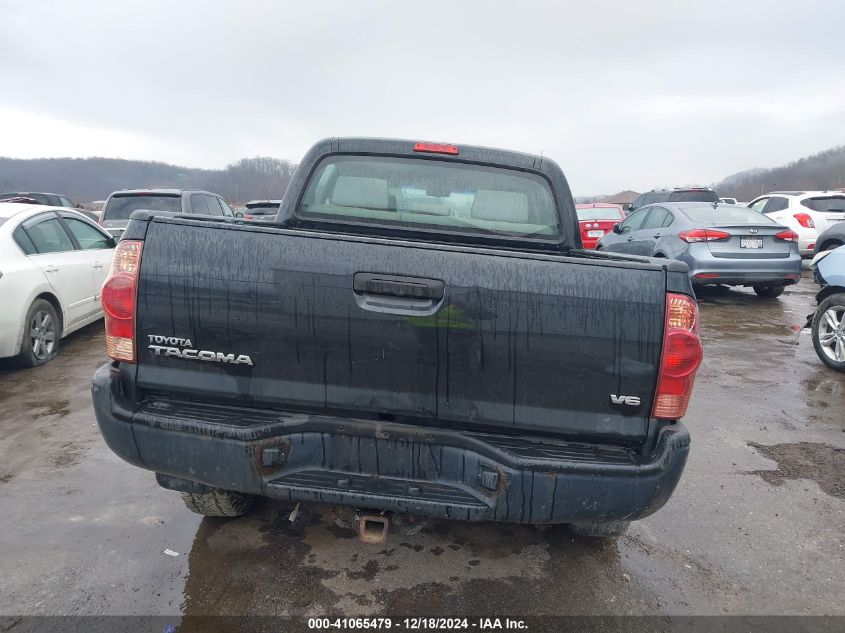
{"x":418,"y":331}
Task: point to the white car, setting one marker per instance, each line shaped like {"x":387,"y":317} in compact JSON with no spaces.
{"x":53,"y":262}
{"x":808,"y":213}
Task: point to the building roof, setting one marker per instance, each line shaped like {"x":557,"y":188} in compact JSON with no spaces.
{"x":623,"y":197}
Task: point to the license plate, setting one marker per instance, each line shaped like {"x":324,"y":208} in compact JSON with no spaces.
{"x":750,"y":242}
{"x":598,"y":233}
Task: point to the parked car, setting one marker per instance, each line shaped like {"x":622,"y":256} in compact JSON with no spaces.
{"x":721,"y":244}
{"x":120,"y":205}
{"x":832,"y":237}
{"x":828,"y":322}
{"x":678,"y":194}
{"x":597,"y":219}
{"x":53,"y":262}
{"x":51,"y":199}
{"x":475,"y":367}
{"x":728,"y":200}
{"x":261,"y":209}
{"x":808,"y":213}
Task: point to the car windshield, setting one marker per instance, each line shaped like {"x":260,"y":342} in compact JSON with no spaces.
{"x":263,"y":210}
{"x":600,"y":213}
{"x":694,"y":195}
{"x":726,"y":214}
{"x":414,"y":193}
{"x":121,"y":207}
{"x":832,"y":203}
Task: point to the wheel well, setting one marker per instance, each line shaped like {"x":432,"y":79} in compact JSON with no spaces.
{"x":827,"y":291}
{"x":660,"y":255}
{"x":53,"y":301}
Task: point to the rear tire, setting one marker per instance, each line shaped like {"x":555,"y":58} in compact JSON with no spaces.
{"x":219,"y":503}
{"x":607,"y":529}
{"x":829,"y":246}
{"x":835,"y":305}
{"x":42,"y":331}
{"x":769,"y":292}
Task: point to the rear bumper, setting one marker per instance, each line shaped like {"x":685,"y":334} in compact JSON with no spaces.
{"x":706,"y":269}
{"x":388,"y":466}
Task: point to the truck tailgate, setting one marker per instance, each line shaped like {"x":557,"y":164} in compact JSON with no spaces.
{"x":460,"y":336}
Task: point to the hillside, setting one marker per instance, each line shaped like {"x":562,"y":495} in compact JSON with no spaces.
{"x":87,"y":179}
{"x":825,"y":170}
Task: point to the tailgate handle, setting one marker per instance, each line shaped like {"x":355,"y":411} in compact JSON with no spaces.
{"x":397,"y":286}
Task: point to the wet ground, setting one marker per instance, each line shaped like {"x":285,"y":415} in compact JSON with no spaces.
{"x":756,"y":526}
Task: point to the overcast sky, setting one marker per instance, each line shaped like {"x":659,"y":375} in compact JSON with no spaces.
{"x":621,"y":94}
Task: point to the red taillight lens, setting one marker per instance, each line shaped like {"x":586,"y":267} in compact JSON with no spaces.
{"x":435,"y":148}
{"x":787,"y":236}
{"x":682,"y":354}
{"x":804,"y":220}
{"x":119,"y":298}
{"x":248,"y":216}
{"x":703,"y":235}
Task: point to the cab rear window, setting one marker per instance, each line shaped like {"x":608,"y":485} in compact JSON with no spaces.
{"x":446,"y":196}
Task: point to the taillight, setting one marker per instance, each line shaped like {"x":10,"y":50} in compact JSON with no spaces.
{"x":787,"y":236}
{"x":804,"y":220}
{"x":703,"y":235}
{"x":682,"y":354}
{"x":435,"y":148}
{"x":120,"y":294}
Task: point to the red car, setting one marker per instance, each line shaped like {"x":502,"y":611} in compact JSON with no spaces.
{"x":596,"y":220}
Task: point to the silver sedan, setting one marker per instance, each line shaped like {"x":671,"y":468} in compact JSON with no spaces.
{"x":721,"y":243}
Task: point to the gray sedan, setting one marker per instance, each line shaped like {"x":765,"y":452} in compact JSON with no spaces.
{"x":721,"y":243}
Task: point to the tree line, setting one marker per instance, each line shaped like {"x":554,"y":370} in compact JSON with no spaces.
{"x":89,"y":179}
{"x":819,"y":172}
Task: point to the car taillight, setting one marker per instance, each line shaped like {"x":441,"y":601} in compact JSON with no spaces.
{"x":787,"y":236}
{"x":804,"y":220}
{"x":120,"y":294}
{"x":703,"y":235}
{"x":436,"y":148}
{"x":682,"y":354}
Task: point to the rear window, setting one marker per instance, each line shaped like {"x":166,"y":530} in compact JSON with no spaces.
{"x":831,"y":203}
{"x":121,"y":207}
{"x":600,"y":213}
{"x":411,"y":193}
{"x":702,"y":195}
{"x":726,"y":215}
{"x":263,"y":209}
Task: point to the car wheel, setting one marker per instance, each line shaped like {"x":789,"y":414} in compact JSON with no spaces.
{"x":42,"y":331}
{"x":608,"y":529}
{"x":769,"y":292}
{"x":219,"y":503}
{"x":829,"y":246}
{"x":829,"y":331}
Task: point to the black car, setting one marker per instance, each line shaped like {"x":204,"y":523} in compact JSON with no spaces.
{"x":50,"y":199}
{"x":678,"y":194}
{"x":832,"y":237}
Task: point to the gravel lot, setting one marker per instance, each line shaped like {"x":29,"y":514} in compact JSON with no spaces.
{"x":755,"y":527}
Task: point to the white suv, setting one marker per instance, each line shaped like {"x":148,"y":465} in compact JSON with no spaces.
{"x":808,"y":213}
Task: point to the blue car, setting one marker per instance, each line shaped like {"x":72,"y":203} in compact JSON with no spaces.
{"x":828,"y":323}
